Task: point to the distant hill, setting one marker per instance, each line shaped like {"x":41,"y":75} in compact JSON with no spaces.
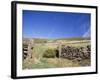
{"x":41,"y":40}
{"x":36,"y":40}
{"x":75,"y":38}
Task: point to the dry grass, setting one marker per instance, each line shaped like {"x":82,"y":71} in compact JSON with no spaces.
{"x":39,"y":62}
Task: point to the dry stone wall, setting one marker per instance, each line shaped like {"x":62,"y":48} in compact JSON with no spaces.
{"x":80,"y":53}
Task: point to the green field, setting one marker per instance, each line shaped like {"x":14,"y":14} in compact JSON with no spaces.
{"x":38,"y":61}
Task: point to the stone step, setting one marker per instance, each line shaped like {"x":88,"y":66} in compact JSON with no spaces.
{"x":25,"y":51}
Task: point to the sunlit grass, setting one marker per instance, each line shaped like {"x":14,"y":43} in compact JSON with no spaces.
{"x":38,"y":61}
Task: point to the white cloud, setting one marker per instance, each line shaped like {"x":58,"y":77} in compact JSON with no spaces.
{"x":87,"y":33}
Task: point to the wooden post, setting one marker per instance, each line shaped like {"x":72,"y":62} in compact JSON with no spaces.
{"x":30,"y":48}
{"x":59,"y":50}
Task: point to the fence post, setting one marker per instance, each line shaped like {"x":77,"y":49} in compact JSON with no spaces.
{"x":59,"y":50}
{"x":30,"y":48}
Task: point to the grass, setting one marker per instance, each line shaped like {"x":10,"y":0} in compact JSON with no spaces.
{"x":39,"y":62}
{"x":78,"y":44}
{"x":55,"y":63}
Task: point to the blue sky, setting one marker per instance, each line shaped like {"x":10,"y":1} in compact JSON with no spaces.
{"x":53,"y":25}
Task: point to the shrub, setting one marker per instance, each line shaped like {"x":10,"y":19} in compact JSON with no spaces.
{"x":49,"y":53}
